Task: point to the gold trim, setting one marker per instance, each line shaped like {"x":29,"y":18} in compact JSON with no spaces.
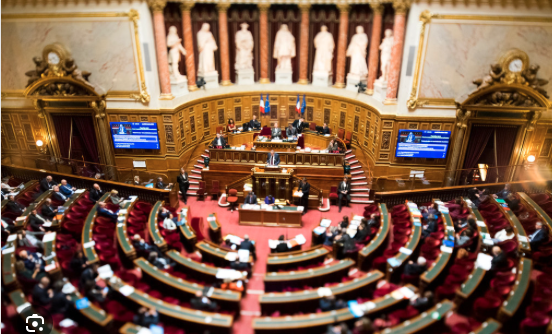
{"x":165,"y":96}
{"x":226,"y":83}
{"x":426,"y":17}
{"x":369,"y":92}
{"x":134,"y":16}
{"x":339,"y":85}
{"x":13,"y":93}
{"x":192,"y":88}
{"x":303,"y":82}
{"x":264,"y":81}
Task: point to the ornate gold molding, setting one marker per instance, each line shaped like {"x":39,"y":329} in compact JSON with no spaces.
{"x":377,"y":8}
{"x":343,"y":7}
{"x":223,"y":6}
{"x":263,"y":7}
{"x":462,"y":117}
{"x":186,"y":6}
{"x":400,"y":6}
{"x":157,"y":5}
{"x":134,"y":16}
{"x":304,"y":7}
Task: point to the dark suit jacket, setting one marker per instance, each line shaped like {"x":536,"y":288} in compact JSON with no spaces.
{"x":539,"y":238}
{"x":282,"y":247}
{"x":35,"y":222}
{"x":222,"y":140}
{"x":499,"y":261}
{"x":347,"y":188}
{"x":276,"y":159}
{"x":45,"y":185}
{"x":181,"y":181}
{"x":40,"y":296}
{"x":250,"y":199}
{"x":431,"y":227}
{"x":163,"y":215}
{"x":362,"y":234}
{"x":60,"y":304}
{"x":305,"y":188}
{"x":95,"y":195}
{"x":57,"y":196}
{"x":48,"y":212}
{"x":106,"y":213}
{"x":297,"y":126}
{"x":254,"y":124}
{"x":14,"y":207}
{"x":161,"y":185}
{"x":291,"y":132}
{"x":325,"y":131}
{"x":414,"y":269}
{"x":247,"y":244}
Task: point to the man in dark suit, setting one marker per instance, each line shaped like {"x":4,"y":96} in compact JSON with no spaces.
{"x":202,"y":303}
{"x":250,"y":199}
{"x":325,"y":130}
{"x":96,"y":193}
{"x":140,"y":245}
{"x":254,"y":124}
{"x":344,"y":191}
{"x":13,"y":206}
{"x":415,"y":269}
{"x":104,"y":211}
{"x":539,"y":237}
{"x":47,"y":210}
{"x":66,"y":189}
{"x":160,"y":184}
{"x":42,"y":294}
{"x":273,"y":159}
{"x":304,"y":187}
{"x":57,"y":195}
{"x":249,"y":245}
{"x":282,"y":245}
{"x":500,"y":260}
{"x":183,"y":184}
{"x":430,"y":227}
{"x":36,"y":221}
{"x":298,"y":124}
{"x":503,"y":194}
{"x":46,"y":184}
{"x":291,"y":131}
{"x":218,"y":142}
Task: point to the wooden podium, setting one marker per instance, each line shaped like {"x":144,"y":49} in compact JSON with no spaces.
{"x":288,"y":216}
{"x":272,"y":180}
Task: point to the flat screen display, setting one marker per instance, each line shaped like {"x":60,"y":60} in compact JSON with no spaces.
{"x":131,"y":135}
{"x":422,"y":144}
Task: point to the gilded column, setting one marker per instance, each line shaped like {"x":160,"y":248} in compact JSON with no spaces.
{"x":304,"y":47}
{"x":396,"y":51}
{"x":157,"y":7}
{"x":373,"y":58}
{"x":223,"y":36}
{"x":341,"y":46}
{"x":186,"y":8}
{"x":263,"y":26}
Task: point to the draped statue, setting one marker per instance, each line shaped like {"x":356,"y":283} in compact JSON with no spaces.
{"x":244,"y":48}
{"x":207,"y":46}
{"x":284,"y":48}
{"x":324,"y":44}
{"x":176,"y":48}
{"x":357,"y":52}
{"x":386,"y":46}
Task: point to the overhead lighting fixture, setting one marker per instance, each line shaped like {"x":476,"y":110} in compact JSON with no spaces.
{"x":483,"y":171}
{"x":531,"y":158}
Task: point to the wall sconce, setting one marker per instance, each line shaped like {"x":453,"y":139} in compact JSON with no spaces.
{"x":41,"y":147}
{"x":531,"y":159}
{"x":483,"y":171}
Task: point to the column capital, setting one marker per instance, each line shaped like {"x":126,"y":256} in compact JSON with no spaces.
{"x":377,"y":8}
{"x":186,"y":6}
{"x":157,"y":5}
{"x":400,"y":6}
{"x":263,"y":7}
{"x":343,"y":7}
{"x":223,"y":7}
{"x":304,"y":7}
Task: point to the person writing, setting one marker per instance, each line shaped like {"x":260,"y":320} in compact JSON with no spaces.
{"x":325,"y":130}
{"x":219,"y":142}
{"x":48,"y":210}
{"x":254,"y":124}
{"x":250,"y":199}
{"x":291,"y":132}
{"x":104,"y":211}
{"x":269,"y":200}
{"x":183,"y":183}
{"x":276,"y":132}
{"x":273,"y":159}
{"x":231,"y":127}
{"x":344,"y":190}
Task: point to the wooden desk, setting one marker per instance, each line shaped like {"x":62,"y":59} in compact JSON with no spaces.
{"x":153,"y":227}
{"x":488,"y":327}
{"x":18,"y":299}
{"x":298,"y":158}
{"x":279,"y":261}
{"x":425,"y":322}
{"x":202,"y":271}
{"x":272,"y":181}
{"x":122,"y":237}
{"x":22,"y":223}
{"x":93,"y":314}
{"x":28,"y":186}
{"x":519,"y":291}
{"x":278,"y":146}
{"x":215,"y":254}
{"x":9,"y":276}
{"x":288,"y":216}
{"x":532,"y":206}
{"x":215,"y":230}
{"x":58,"y":220}
{"x":187,"y":233}
{"x":88,"y":229}
{"x":49,"y":256}
{"x":376,"y":246}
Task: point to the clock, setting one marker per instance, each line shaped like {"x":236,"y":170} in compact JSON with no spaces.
{"x":53,"y":58}
{"x":515,"y":65}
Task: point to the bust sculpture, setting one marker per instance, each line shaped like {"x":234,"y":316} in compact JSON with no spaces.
{"x":176,"y":48}
{"x":357,"y":52}
{"x":386,"y":46}
{"x":284,"y":48}
{"x":244,"y":48}
{"x":206,"y":46}
{"x":324,"y":44}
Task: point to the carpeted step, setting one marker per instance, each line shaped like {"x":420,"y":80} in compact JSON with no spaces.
{"x":199,"y":167}
{"x":356,"y":167}
{"x":347,"y":157}
{"x":195,"y":171}
{"x":352,"y":161}
{"x":360,"y":189}
{"x":359,"y":184}
{"x":204,"y":156}
{"x":195,"y":177}
{"x":362,"y":201}
{"x":193,"y":188}
{"x":360,"y":195}
{"x":357,"y":172}
{"x":200,"y":161}
{"x":194,"y":182}
{"x":348,"y":151}
{"x":194,"y":193}
{"x":207,"y":151}
{"x":358,"y":178}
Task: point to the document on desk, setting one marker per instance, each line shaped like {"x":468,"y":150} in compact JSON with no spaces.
{"x":325,"y":222}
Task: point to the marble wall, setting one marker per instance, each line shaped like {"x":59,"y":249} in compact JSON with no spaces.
{"x":101,"y":46}
{"x":460,"y":51}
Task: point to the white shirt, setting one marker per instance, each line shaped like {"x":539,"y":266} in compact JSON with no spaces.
{"x":534,"y":234}
{"x":272,"y":160}
{"x":168,"y":224}
{"x":344,"y":185}
{"x":503,"y":235}
{"x":219,"y":143}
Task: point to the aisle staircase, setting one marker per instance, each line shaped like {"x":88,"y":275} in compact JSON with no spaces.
{"x":360,"y":191}
{"x":195,"y":174}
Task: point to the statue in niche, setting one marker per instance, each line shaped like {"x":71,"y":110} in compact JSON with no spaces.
{"x":244,"y":48}
{"x":174,"y":43}
{"x":284,"y":48}
{"x":206,"y":46}
{"x":386,"y":46}
{"x":325,"y":45}
{"x":357,"y":52}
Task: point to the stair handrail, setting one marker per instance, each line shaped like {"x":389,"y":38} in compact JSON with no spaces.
{"x":366,"y":152}
{"x":193,"y":149}
{"x":233,"y":184}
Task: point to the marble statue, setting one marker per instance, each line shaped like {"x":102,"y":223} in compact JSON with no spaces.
{"x":206,"y":46}
{"x":284,"y":48}
{"x":324,"y":44}
{"x":357,"y":52}
{"x":386,"y":46}
{"x":244,"y":48}
{"x":174,"y":43}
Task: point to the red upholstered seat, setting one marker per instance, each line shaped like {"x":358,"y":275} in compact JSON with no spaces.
{"x":144,"y":206}
{"x":508,"y":246}
{"x":341,"y":133}
{"x":201,"y":191}
{"x":215,"y":189}
{"x":333,"y":194}
{"x":232,"y":196}
{"x":312,"y":126}
{"x":486,"y":307}
{"x":534,"y":326}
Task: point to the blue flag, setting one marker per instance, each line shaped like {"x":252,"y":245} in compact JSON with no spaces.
{"x":267,"y":105}
{"x":304,"y":105}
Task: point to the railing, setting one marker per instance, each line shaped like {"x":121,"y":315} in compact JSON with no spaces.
{"x":239,"y":183}
{"x":368,"y":171}
{"x":193,"y":149}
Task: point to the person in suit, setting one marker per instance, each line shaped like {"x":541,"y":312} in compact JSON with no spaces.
{"x":304,"y":187}
{"x":136,"y":181}
{"x":273,"y":159}
{"x":465,"y":236}
{"x":13,"y":206}
{"x":36,"y":221}
{"x":96,"y":193}
{"x":325,"y":130}
{"x":22,"y":271}
{"x":500,"y":260}
{"x":46,"y":184}
{"x":202,"y":303}
{"x":282,"y":246}
{"x":344,"y":190}
{"x":42,"y":294}
{"x":250,"y":198}
{"x":60,"y":302}
{"x":539,"y":237}
{"x":89,"y":275}
{"x":48,"y":210}
{"x":423,"y":303}
{"x":183,"y":183}
{"x":248,"y":245}
{"x":218,"y":142}
{"x":269,"y":200}
{"x":57,"y":195}
{"x":276,"y":132}
{"x":333,"y":146}
{"x":160,"y":184}
{"x":146,"y":317}
{"x":430,"y":227}
{"x":503,"y":194}
{"x":362,"y":232}
{"x":78,"y":263}
{"x":104,"y":211}
{"x":28,"y":239}
{"x":66,"y":189}
{"x":416,"y":269}
{"x":31,"y":260}
{"x":141,"y":245}
{"x":513,"y":202}
{"x":291,"y":131}
{"x":327,"y":303}
{"x":254,"y":124}
{"x":298,"y":124}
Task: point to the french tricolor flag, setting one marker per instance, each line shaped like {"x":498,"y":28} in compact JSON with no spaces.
{"x":298,"y":105}
{"x":261,"y":105}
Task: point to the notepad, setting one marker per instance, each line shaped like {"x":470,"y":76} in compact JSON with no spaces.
{"x":88,"y":244}
{"x":49,"y":237}
{"x":483,"y":261}
{"x":301,"y":240}
{"x":406,"y":251}
{"x":325,"y":222}
{"x":126,"y":290}
{"x":11,"y":237}
{"x":324,"y":292}
{"x":243,"y":255}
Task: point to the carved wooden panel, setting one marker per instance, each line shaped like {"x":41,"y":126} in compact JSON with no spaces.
{"x":342,"y":118}
{"x":169,"y":133}
{"x":310,"y":114}
{"x":291,"y":111}
{"x":413,"y":126}
{"x":386,"y":140}
{"x":167,"y":118}
{"x":143,"y":118}
{"x":205,"y":119}
{"x":238,"y":113}
{"x":387,"y":124}
{"x":28,"y":130}
{"x":221,"y":116}
{"x":181,"y":125}
{"x":24,"y":117}
{"x":192,"y":125}
{"x":367,"y":130}
{"x":123,"y":118}
{"x":384,"y":156}
{"x":356,"y":123}
{"x":255,"y":110}
{"x":171,"y":149}
{"x":545,"y":150}
{"x":327,"y":115}
{"x":9,"y":131}
{"x":274,"y":111}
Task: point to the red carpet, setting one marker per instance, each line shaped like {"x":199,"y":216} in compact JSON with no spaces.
{"x":229,"y":221}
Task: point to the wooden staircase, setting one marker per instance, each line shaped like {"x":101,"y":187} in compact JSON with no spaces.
{"x":360,"y":191}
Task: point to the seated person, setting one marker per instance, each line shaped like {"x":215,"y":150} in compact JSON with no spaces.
{"x":333,"y":147}
{"x":325,"y":130}
{"x":31,"y":260}
{"x":249,"y":245}
{"x":36,"y":221}
{"x":57,"y":195}
{"x":140,"y":244}
{"x":89,"y":275}
{"x":344,"y":223}
{"x":27,"y":274}
{"x":60,"y":302}
{"x":96,"y":193}
{"x":273,"y":159}
{"x":166,"y":216}
{"x":430,"y":227}
{"x":269,"y":200}
{"x":240,"y":266}
{"x":298,"y":124}
{"x":47,"y":210}
{"x":231,"y":126}
{"x":539,"y":237}
{"x":505,"y":234}
{"x":464,"y":237}
{"x":79,"y":262}
{"x":416,"y":269}
{"x":13,"y":206}
{"x":42,"y":294}
{"x":136,"y":181}
{"x":162,"y":185}
{"x":329,"y":303}
{"x":66,"y":189}
{"x":159,"y":261}
{"x":282,"y":246}
{"x":500,"y":260}
{"x":218,"y":142}
{"x":98,"y":176}
{"x":503,"y":194}
{"x":513,"y":202}
{"x":362,"y":231}
{"x":250,"y":199}
{"x":291,"y":132}
{"x":348,"y":244}
{"x":105,"y":212}
{"x":28,"y":239}
{"x":146,"y":317}
{"x":329,"y":236}
{"x":202,"y":303}
{"x":276,"y":132}
{"x":115,"y":198}
{"x":46,"y":184}
{"x":373,"y":221}
{"x":254,"y":124}
{"x":422,"y":303}
{"x":94,"y":293}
